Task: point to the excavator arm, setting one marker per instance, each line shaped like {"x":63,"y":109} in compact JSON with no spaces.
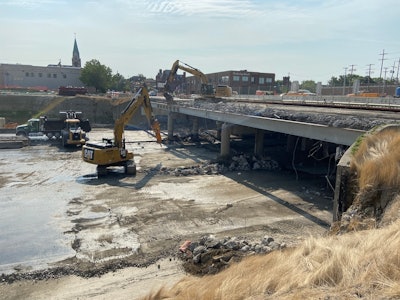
{"x":141,"y":98}
{"x":206,"y":89}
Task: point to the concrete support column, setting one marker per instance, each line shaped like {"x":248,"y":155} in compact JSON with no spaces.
{"x":219,"y":127}
{"x":170,"y":126}
{"x":195,"y":128}
{"x":225,"y":139}
{"x":259,"y":142}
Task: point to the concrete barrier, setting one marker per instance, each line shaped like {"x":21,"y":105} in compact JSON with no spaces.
{"x":13,"y":142}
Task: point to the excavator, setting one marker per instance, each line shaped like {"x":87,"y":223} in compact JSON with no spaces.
{"x":113,"y":152}
{"x":206,"y":90}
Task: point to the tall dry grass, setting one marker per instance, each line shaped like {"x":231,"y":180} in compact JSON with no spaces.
{"x":359,"y":265}
{"x":377,"y":167}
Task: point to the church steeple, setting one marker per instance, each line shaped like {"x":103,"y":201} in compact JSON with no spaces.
{"x":76,"y":60}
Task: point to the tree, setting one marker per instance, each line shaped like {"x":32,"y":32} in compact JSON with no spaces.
{"x":309,"y":85}
{"x":119,"y":83}
{"x":96,"y":75}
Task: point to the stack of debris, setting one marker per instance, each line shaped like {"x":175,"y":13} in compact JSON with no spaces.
{"x":210,"y":255}
{"x":238,"y":163}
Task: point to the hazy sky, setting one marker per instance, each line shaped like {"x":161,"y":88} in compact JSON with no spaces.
{"x":308,"y":39}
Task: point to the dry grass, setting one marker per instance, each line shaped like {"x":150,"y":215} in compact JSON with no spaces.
{"x":377,"y":165}
{"x":357,"y":265}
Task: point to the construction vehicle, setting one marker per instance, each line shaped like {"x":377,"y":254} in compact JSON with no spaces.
{"x":207,"y":90}
{"x":397,"y":92}
{"x":113,"y":152}
{"x":70,"y":128}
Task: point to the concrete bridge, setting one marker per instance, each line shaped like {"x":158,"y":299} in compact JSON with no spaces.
{"x":227,"y":121}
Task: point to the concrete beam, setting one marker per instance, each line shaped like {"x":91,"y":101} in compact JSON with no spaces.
{"x":339,"y":136}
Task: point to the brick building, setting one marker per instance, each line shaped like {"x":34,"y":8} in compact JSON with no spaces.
{"x":243,"y":82}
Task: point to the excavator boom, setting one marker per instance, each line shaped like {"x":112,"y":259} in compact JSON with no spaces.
{"x":141,"y":98}
{"x":206,"y":89}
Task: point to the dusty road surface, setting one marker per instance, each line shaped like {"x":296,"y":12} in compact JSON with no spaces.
{"x":67,"y":234}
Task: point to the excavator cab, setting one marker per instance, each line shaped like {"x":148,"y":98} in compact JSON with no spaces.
{"x":207,"y":90}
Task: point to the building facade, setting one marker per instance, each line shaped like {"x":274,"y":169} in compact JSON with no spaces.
{"x":242,"y":82}
{"x":51,"y":77}
{"x":178,"y":85}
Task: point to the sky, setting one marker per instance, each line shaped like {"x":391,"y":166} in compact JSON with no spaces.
{"x":303,"y":39}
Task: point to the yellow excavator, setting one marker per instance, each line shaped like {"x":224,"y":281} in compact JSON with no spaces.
{"x":113,"y":152}
{"x":206,"y":90}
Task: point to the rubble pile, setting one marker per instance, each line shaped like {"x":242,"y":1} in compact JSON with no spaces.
{"x":210,"y":255}
{"x":262,"y":110}
{"x":242,"y":162}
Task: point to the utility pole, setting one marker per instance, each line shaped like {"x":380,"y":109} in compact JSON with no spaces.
{"x":344,"y":81}
{"x":392,"y":71}
{"x":398,"y":67}
{"x":352,"y":69}
{"x":384,"y":80}
{"x":382,"y":59}
{"x":369,"y":75}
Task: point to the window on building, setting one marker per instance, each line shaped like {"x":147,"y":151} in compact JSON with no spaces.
{"x":64,"y":75}
{"x":27,"y":74}
{"x":48,"y":75}
{"x":253,"y":79}
{"x":40,"y":74}
{"x":261,"y":80}
{"x":268,"y":80}
{"x":32,"y":75}
{"x":54,"y":75}
{"x":236,"y":78}
{"x":225,"y":79}
{"x":245,"y":78}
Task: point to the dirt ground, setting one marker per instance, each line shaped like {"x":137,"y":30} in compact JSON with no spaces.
{"x":122,"y":234}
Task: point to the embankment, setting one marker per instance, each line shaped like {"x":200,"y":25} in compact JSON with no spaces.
{"x":18,"y":108}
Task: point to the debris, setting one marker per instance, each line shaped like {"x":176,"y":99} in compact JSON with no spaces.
{"x":210,"y":255}
{"x":184,"y":246}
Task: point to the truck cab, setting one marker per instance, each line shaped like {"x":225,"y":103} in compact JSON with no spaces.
{"x":32,"y":126}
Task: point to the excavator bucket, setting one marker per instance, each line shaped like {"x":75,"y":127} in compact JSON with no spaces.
{"x":169,"y":98}
{"x":157,"y":131}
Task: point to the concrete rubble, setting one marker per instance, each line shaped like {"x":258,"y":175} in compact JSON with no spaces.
{"x":335,"y":119}
{"x":242,"y":162}
{"x":210,"y":255}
